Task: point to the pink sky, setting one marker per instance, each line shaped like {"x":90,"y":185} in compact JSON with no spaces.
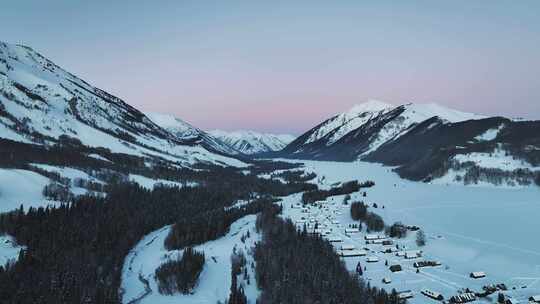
{"x":286,"y":66}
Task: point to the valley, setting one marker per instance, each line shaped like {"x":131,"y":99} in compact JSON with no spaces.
{"x":103,"y":203}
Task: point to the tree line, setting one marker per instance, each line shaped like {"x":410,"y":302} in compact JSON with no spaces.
{"x":295,"y":267}
{"x":373,"y":221}
{"x":209,"y":225}
{"x":312,"y":196}
{"x":180,"y":274}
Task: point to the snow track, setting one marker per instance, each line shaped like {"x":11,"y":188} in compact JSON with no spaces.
{"x":139,"y":285}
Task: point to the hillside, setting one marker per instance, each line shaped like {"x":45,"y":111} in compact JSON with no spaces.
{"x":426,"y":142}
{"x":41,"y":103}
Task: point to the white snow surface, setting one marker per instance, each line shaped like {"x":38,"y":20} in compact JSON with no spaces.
{"x":490,"y":134}
{"x":215,"y":279}
{"x":251,"y":142}
{"x":177,"y":126}
{"x":496,"y":160}
{"x":348,"y":121}
{"x":72,"y":174}
{"x":9,"y":249}
{"x":420,"y":112}
{"x":21,"y":187}
{"x":67,"y":172}
{"x":467,"y":228}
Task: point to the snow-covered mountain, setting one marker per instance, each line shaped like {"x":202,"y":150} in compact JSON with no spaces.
{"x":341,"y":124}
{"x":188,"y":133}
{"x":426,"y":141}
{"x":250,"y":142}
{"x":231,"y":143}
{"x":40,"y":102}
{"x":381,"y":120}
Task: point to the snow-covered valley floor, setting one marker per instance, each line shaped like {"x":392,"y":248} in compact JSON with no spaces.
{"x":468,"y":229}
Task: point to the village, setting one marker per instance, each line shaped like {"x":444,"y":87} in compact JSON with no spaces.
{"x":399,"y":263}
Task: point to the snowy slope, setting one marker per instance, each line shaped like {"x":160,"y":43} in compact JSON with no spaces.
{"x":21,"y":187}
{"x":215,"y":280}
{"x":375,"y":122}
{"x":250,"y":142}
{"x":188,"y":133}
{"x":39,"y":102}
{"x":414,"y":114}
{"x":343,"y":123}
{"x":494,"y":150}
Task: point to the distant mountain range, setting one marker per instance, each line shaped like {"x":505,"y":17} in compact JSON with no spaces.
{"x":250,"y":142}
{"x":188,"y":133}
{"x":427,"y":142}
{"x":232,"y":143}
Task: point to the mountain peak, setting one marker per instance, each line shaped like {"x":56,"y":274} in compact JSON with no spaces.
{"x":371,"y":105}
{"x":428,"y":110}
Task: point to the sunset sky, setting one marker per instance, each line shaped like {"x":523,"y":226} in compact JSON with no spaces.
{"x":284,"y":66}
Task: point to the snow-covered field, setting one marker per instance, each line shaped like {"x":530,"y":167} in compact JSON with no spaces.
{"x":497,"y":160}
{"x":21,"y":187}
{"x":215,"y":280}
{"x":468,"y":229}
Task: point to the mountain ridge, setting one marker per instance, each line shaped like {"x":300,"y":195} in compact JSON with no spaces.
{"x":41,"y":102}
{"x":252,"y":142}
{"x":472,"y":144}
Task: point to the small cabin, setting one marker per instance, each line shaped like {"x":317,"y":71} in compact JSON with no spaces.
{"x":389,"y":250}
{"x":352,"y":253}
{"x":372,"y":237}
{"x":535,"y":299}
{"x":432,"y":294}
{"x":335,"y":239}
{"x":412,"y":255}
{"x":351,"y":230}
{"x":477,"y":274}
{"x":463,"y":298}
{"x":407,"y":294}
{"x":347,"y":247}
{"x":421,"y":264}
{"x":372,"y":259}
{"x":387,"y":280}
{"x":395,"y":268}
